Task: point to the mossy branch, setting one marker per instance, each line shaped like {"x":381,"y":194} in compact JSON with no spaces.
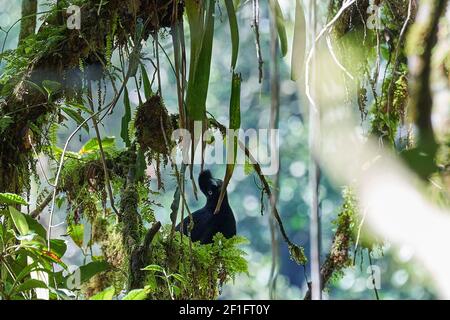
{"x":338,"y":258}
{"x":421,"y":42}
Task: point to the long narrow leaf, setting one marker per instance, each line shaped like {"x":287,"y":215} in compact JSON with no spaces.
{"x":19,"y":221}
{"x":299,"y":43}
{"x":92,"y":145}
{"x":76,"y":117}
{"x":124,"y":134}
{"x":234,"y":29}
{"x":232,"y":139}
{"x":147,"y":85}
{"x":200,"y":71}
{"x":280,"y":27}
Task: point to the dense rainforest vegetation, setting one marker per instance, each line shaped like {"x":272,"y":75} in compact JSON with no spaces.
{"x":104,"y":110}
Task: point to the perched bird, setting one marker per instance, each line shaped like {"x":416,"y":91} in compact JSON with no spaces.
{"x":206,"y":223}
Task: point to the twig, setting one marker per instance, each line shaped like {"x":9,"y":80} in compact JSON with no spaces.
{"x":314,"y":170}
{"x":102,"y":153}
{"x":257,"y":38}
{"x":371,"y":274}
{"x":274,"y":125}
{"x":37,"y":211}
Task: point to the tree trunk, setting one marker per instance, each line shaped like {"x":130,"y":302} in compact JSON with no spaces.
{"x":28,"y":23}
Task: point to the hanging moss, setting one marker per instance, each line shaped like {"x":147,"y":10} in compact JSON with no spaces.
{"x":153,"y":126}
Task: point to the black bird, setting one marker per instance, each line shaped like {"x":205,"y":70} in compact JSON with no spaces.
{"x":206,"y":223}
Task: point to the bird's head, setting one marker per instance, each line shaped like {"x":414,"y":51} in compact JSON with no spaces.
{"x":210,"y":186}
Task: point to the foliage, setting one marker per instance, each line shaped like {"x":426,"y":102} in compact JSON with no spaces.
{"x":176,"y":260}
{"x":25,"y":253}
{"x":47,"y":83}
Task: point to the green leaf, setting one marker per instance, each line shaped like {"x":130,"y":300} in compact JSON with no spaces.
{"x":58,"y":152}
{"x":178,"y":277}
{"x":92,"y":145}
{"x":91,"y":269}
{"x":27,"y":238}
{"x":232,"y":144}
{"x":76,"y":117}
{"x":154,"y":268}
{"x":299,"y":42}
{"x":51,"y":87}
{"x":36,"y":87}
{"x":234,"y":29}
{"x":35,"y":226}
{"x":106,"y":294}
{"x":138,"y":294}
{"x":30,"y":284}
{"x":76,"y":232}
{"x":124,"y":132}
{"x":176,"y":290}
{"x":5,"y":121}
{"x":19,"y":221}
{"x":59,"y":247}
{"x":147,"y":85}
{"x":25,"y":272}
{"x":280,"y":27}
{"x":78,"y":107}
{"x":12,"y":199}
{"x":201,"y":23}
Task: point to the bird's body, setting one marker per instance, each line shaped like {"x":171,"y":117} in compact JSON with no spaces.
{"x":206,"y":223}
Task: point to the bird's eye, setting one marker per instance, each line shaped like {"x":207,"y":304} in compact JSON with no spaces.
{"x":210,"y":192}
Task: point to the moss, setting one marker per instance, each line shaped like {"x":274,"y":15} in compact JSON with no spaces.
{"x":151,"y":118}
{"x":204,"y":268}
{"x":339,"y":257}
{"x":130,"y":218}
{"x":96,"y":284}
{"x":83,"y":183}
{"x":110,"y":239}
{"x":401,"y":96}
{"x":56,"y":53}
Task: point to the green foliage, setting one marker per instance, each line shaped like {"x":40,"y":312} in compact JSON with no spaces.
{"x":206,"y":266}
{"x":234,"y":29}
{"x":31,"y":49}
{"x":106,"y":294}
{"x":23,"y":251}
{"x":11,"y":199}
{"x":201,"y":24}
{"x":124,"y":132}
{"x":177,"y":268}
{"x":281,"y":29}
{"x":137,"y":294}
